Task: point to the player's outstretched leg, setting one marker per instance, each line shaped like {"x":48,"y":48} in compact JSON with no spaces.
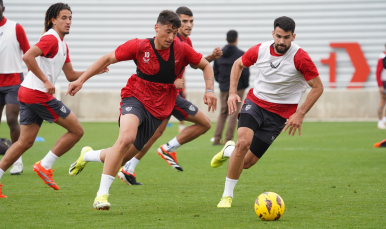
{"x":221,"y":157}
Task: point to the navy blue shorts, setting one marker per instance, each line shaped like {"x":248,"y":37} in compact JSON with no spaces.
{"x":148,"y":124}
{"x":8,"y":95}
{"x":37,"y":112}
{"x":183,"y":108}
{"x":265,"y":124}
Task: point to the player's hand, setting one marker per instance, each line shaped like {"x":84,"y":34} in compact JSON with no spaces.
{"x":179,"y":83}
{"x":74,"y":87}
{"x":294,"y":122}
{"x":210,"y":100}
{"x":232,"y":102}
{"x":217,"y":52}
{"x":50,"y":88}
{"x":104,"y":71}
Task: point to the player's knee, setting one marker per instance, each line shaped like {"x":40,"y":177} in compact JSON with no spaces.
{"x":79,"y":132}
{"x":12,"y":122}
{"x":243,"y":145}
{"x":125,"y":142}
{"x":25,"y":144}
{"x":206,"y":125}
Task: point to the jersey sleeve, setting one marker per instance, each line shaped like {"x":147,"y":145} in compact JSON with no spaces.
{"x":378,"y":72}
{"x":68,"y":56}
{"x":22,"y":38}
{"x":191,"y":56}
{"x":48,"y":44}
{"x":305,"y":65}
{"x":250,"y":57}
{"x":127,"y":51}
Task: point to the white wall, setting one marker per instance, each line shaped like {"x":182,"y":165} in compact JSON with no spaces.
{"x":100,"y":26}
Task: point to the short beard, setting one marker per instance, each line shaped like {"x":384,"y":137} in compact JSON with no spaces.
{"x":281,"y":52}
{"x":67,"y":33}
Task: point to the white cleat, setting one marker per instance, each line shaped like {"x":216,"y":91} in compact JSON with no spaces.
{"x":381,"y":125}
{"x":17,"y":168}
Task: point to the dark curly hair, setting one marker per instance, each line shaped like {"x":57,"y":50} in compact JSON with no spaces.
{"x":53,"y":12}
{"x":167,"y":17}
{"x":284,"y":23}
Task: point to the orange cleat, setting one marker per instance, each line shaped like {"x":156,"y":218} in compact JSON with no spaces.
{"x":45,"y":174}
{"x":380,"y":144}
{"x":170,"y":158}
{"x":1,"y":194}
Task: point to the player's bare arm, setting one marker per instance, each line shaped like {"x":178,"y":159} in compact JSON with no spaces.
{"x":209,"y":96}
{"x":32,"y":65}
{"x":295,"y":121}
{"x":98,"y":67}
{"x":233,"y":98}
{"x":73,"y":75}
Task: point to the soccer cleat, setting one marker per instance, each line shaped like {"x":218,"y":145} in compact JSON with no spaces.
{"x":380,"y":144}
{"x":102,"y":203}
{"x":170,"y":158}
{"x":45,"y":174}
{"x":381,"y":125}
{"x":1,"y":194}
{"x":219,"y":158}
{"x":128,"y":178}
{"x":225,"y":202}
{"x":17,"y":168}
{"x":79,"y":164}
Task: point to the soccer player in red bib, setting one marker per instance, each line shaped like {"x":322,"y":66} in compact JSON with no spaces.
{"x":285,"y":72}
{"x":148,"y":97}
{"x":183,"y":110}
{"x":13,"y":43}
{"x":46,"y":60}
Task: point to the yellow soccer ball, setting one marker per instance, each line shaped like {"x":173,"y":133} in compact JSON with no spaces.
{"x":269,"y":206}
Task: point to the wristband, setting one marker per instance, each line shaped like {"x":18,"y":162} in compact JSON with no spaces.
{"x":209,"y":90}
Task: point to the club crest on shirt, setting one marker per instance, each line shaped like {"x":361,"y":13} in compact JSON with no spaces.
{"x":248,"y":107}
{"x":192,"y":108}
{"x":128,"y":109}
{"x":63,"y":109}
{"x":146,"y":57}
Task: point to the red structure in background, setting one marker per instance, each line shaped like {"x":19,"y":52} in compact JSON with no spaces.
{"x":362,"y":69}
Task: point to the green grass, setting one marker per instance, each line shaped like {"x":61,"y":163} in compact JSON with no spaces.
{"x":330,"y":177}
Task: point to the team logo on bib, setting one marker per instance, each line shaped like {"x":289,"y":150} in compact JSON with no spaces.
{"x":248,"y":107}
{"x":273,"y":138}
{"x":63,"y":109}
{"x":273,"y":66}
{"x":146,"y":57}
{"x":128,"y":109}
{"x":192,"y":108}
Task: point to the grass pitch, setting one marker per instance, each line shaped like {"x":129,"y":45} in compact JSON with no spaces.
{"x":330,"y":177}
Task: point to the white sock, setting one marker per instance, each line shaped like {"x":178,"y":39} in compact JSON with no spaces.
{"x":228,"y":151}
{"x":106,"y":182}
{"x":92,"y":155}
{"x":49,"y":160}
{"x":172,"y":145}
{"x":19,"y":160}
{"x":130,"y":165}
{"x":229,"y":186}
{"x":1,"y":173}
{"x":384,"y":119}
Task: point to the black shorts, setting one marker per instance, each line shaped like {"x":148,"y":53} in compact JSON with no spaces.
{"x":148,"y":124}
{"x":265,"y":124}
{"x":384,"y":87}
{"x":8,"y":95}
{"x":37,"y":112}
{"x":183,"y":108}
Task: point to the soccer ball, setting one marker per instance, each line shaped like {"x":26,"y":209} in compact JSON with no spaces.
{"x":269,"y":206}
